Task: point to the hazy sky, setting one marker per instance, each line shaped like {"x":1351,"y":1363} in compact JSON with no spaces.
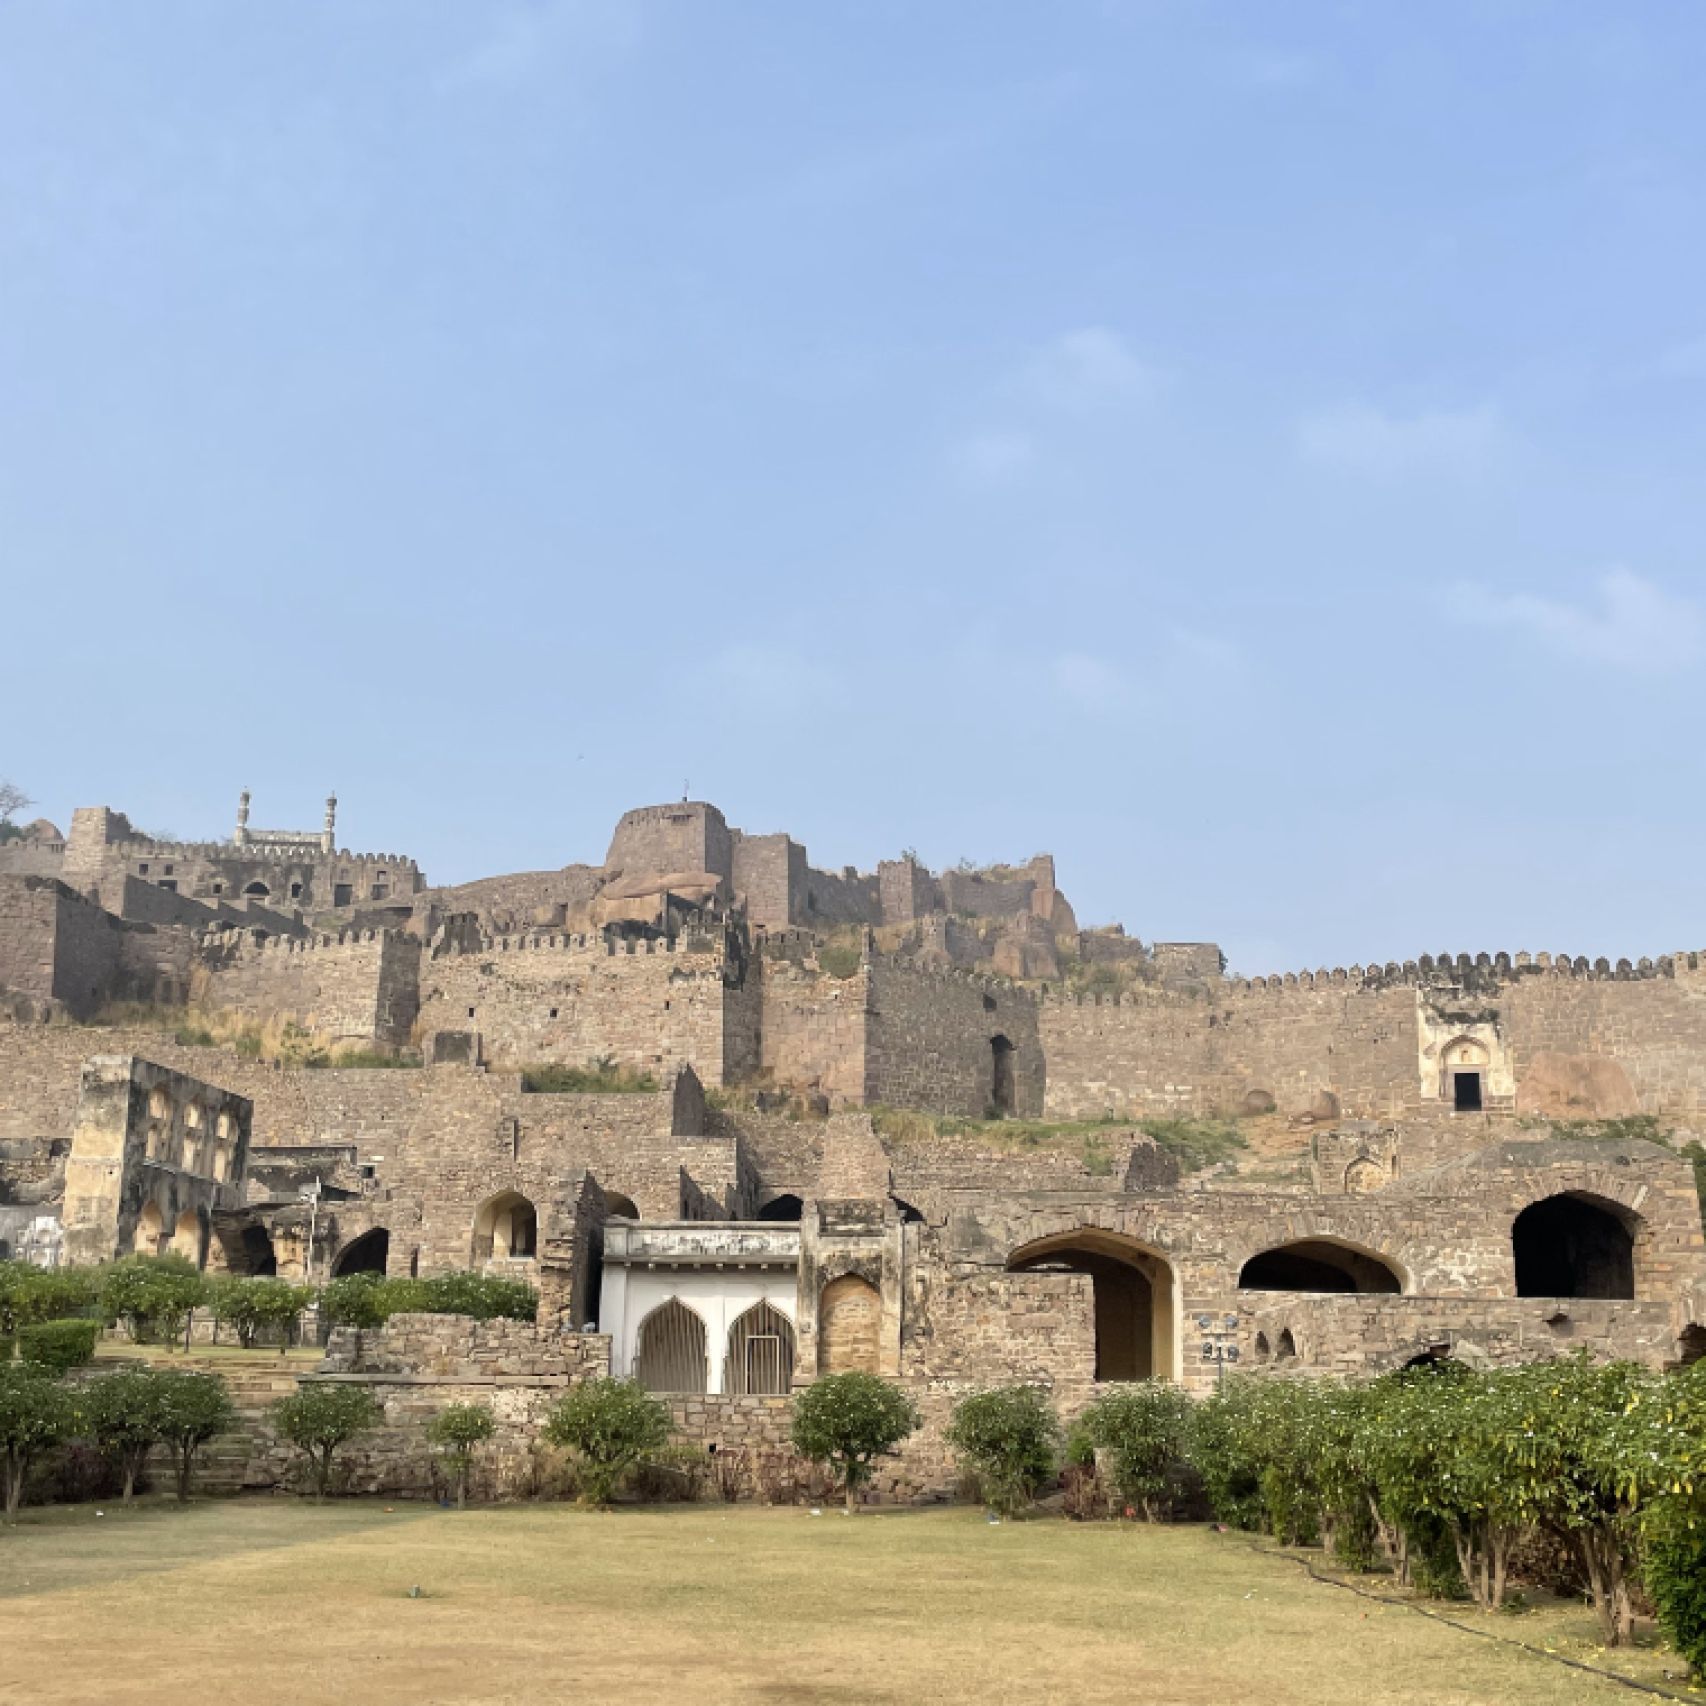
{"x":1256,"y":452}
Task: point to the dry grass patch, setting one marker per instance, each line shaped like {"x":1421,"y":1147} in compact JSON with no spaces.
{"x":287,"y":1603}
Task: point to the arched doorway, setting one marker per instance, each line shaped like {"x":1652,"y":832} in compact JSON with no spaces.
{"x":669,"y":1350}
{"x":1319,"y":1264}
{"x":364,"y":1255}
{"x":1002,"y":1101}
{"x":849,"y":1326}
{"x":150,"y":1229}
{"x":189,"y":1238}
{"x":1463,"y":1075}
{"x":1134,"y":1293}
{"x":785,"y":1207}
{"x":760,"y":1353}
{"x":506,"y":1228}
{"x":1574,"y":1246}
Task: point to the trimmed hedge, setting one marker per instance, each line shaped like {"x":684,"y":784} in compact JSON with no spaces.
{"x":58,"y":1346}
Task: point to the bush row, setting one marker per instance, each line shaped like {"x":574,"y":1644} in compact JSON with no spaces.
{"x":49,"y":1312}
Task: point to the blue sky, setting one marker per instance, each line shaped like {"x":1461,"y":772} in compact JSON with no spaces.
{"x":1253,"y":452}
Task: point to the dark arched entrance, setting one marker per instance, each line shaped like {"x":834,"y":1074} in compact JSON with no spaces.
{"x":365,"y":1255}
{"x":785,"y":1207}
{"x":1573,"y":1246}
{"x":1002,"y":1101}
{"x":1318,"y":1264}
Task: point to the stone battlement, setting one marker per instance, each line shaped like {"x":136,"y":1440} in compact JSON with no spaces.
{"x":1452,"y":969}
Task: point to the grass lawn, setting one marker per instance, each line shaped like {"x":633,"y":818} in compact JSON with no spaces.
{"x":268,"y":1601}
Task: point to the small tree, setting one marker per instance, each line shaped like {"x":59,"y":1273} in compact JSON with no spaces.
{"x":35,"y":1412}
{"x":609,"y":1425}
{"x":152,"y":1294}
{"x":455,"y":1431}
{"x":1144,"y":1429}
{"x":848,"y":1421}
{"x":13,"y":800}
{"x":253,"y":1303}
{"x":1674,"y":1527}
{"x":317,"y":1419}
{"x":1010,"y":1440}
{"x":125,"y":1415}
{"x":193,"y":1409}
{"x":353,"y":1300}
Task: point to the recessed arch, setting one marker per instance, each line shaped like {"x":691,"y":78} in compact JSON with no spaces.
{"x":1263,"y":1349}
{"x":760,"y":1353}
{"x":669,"y":1349}
{"x":1003,"y":1097}
{"x":1320,"y":1264}
{"x":785,"y":1207}
{"x":849,"y":1326}
{"x":189,"y":1237}
{"x":258,"y":891}
{"x":1574,"y":1245}
{"x":1285,"y":1347}
{"x":620,"y":1207}
{"x":1135,"y":1298}
{"x":506,"y":1228}
{"x":150,"y":1229}
{"x":364,"y":1255}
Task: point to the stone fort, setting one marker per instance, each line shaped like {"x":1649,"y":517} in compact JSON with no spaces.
{"x":742,"y":1120}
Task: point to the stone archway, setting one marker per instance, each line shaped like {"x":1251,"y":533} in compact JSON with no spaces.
{"x":1574,"y":1245}
{"x":367,"y":1254}
{"x":1135,"y":1298}
{"x":1320,"y":1264}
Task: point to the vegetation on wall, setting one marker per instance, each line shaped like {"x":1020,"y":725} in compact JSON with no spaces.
{"x":601,"y":1077}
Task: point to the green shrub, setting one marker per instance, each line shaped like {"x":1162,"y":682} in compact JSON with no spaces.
{"x":35,"y":1412}
{"x":486,"y":1297}
{"x":151,"y":1295}
{"x":1676,"y":1578}
{"x":254,"y":1303}
{"x":454,"y":1432}
{"x":609,"y":1425}
{"x":58,"y":1346}
{"x":125,"y":1415}
{"x":1145,"y":1430}
{"x":602,"y":1078}
{"x":319,"y":1418}
{"x":353,"y":1300}
{"x":839,"y":961}
{"x":193,"y":1408}
{"x":1225,"y":1447}
{"x":1195,"y":1143}
{"x":848,"y":1421}
{"x":29,"y":1294}
{"x":1010,"y":1440}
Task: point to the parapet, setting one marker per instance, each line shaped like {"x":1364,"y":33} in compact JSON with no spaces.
{"x":1458,"y":970}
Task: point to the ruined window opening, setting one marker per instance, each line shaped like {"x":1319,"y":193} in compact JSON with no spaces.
{"x":169,"y":884}
{"x":1263,"y":1349}
{"x":366,"y":1255}
{"x":1571,"y":1246}
{"x":168,"y":870}
{"x":553,"y":1012}
{"x":258,"y":891}
{"x":1318,"y":1264}
{"x":1286,"y":1349}
{"x":1466,"y":1092}
{"x":296,"y":891}
{"x":342,"y":894}
{"x":785,"y":1207}
{"x":470,"y":1012}
{"x":669,"y":1352}
{"x":761,"y":1353}
{"x":1001,"y":1097}
{"x":219,"y":888}
{"x":142,"y":869}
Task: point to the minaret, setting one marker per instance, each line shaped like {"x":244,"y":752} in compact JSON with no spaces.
{"x":241,"y":835}
{"x":328,"y":837}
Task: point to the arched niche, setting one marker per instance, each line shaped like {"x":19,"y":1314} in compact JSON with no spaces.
{"x":1574,"y":1245}
{"x":1320,"y":1264}
{"x":1135,"y":1295}
{"x":849,"y":1326}
{"x":786,"y":1207}
{"x":620,"y":1207}
{"x":150,"y":1229}
{"x":189,"y":1237}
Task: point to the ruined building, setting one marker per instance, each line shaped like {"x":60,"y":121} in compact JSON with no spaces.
{"x":793,"y":1153}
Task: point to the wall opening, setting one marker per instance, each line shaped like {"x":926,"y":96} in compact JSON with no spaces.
{"x":785,"y":1207}
{"x":1133,"y":1293}
{"x":1285,"y":1349}
{"x":189,"y":1238}
{"x":342,"y":894}
{"x":1466,"y":1092}
{"x":364,"y":1255}
{"x":1573,"y":1246}
{"x":1318,"y":1264}
{"x":849,"y":1326}
{"x":761,"y":1353}
{"x":1001,"y":1098}
{"x":1690,"y":1346}
{"x":248,"y":1252}
{"x":1463,"y":1065}
{"x":617,"y":1206}
{"x":259,"y":891}
{"x":150,"y":1228}
{"x":506,"y":1228}
{"x":669,"y":1352}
